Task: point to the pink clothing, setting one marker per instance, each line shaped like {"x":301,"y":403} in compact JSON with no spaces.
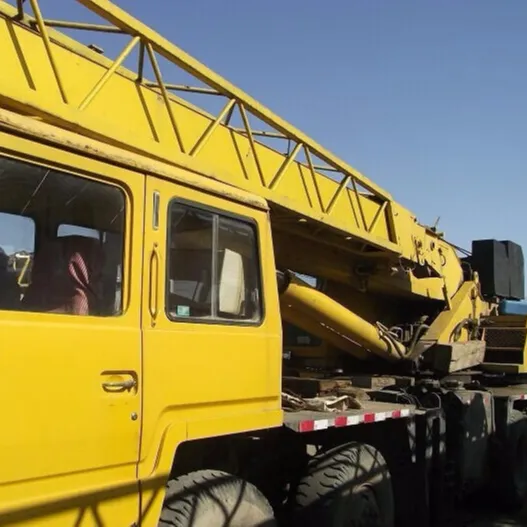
{"x":66,"y":277}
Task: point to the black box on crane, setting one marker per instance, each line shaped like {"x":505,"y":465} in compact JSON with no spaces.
{"x":489,"y":258}
{"x":500,"y":266}
{"x":516,"y":270}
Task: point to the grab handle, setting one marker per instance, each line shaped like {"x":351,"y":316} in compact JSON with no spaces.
{"x":153,"y":307}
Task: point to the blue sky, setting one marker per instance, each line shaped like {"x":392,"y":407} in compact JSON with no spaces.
{"x":426,"y":98}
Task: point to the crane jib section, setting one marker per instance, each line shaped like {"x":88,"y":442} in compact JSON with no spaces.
{"x":52,"y":76}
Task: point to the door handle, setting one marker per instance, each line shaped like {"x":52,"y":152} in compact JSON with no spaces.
{"x":119,"y":385}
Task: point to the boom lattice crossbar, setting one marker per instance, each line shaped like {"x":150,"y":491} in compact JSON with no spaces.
{"x":77,"y":87}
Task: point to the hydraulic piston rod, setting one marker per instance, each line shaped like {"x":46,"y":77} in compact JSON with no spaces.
{"x":298,"y":297}
{"x":314,"y":327}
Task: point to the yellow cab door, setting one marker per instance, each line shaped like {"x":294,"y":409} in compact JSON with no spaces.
{"x":70,"y":360}
{"x":209,"y":366}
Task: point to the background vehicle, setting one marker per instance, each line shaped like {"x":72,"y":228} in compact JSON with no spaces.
{"x":168,"y":252}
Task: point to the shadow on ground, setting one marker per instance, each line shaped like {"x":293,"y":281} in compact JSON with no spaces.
{"x":488,"y":518}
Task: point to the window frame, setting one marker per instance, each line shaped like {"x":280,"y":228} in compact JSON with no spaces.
{"x":216,"y":213}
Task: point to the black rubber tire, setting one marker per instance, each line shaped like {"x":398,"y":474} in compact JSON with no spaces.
{"x":211,"y":498}
{"x":512,"y":478}
{"x":336,"y":485}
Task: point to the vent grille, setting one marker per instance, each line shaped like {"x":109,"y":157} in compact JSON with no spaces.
{"x":505,"y":337}
{"x":505,"y":345}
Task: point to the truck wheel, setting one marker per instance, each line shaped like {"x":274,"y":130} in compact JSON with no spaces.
{"x":347,"y":486}
{"x":211,"y":498}
{"x":513,"y":463}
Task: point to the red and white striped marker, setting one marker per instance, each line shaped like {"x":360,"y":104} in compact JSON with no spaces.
{"x":311,"y":425}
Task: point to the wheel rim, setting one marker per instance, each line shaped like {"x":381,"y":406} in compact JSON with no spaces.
{"x":365,"y":511}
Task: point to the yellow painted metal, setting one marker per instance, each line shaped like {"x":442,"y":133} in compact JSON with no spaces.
{"x":126,"y":109}
{"x":104,"y":79}
{"x":203,"y":380}
{"x":315,"y":327}
{"x":62,"y":104}
{"x":466,"y":304}
{"x":167,"y":49}
{"x":351,"y":209}
{"x":210,"y":130}
{"x":67,"y":472}
{"x":49,"y":50}
{"x":347,"y":204}
{"x":300,"y":296}
{"x":164,"y":93}
{"x":13,"y":123}
{"x":70,"y":454}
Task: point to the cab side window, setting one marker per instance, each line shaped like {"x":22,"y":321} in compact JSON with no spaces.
{"x":213,"y":267}
{"x":63,"y":239}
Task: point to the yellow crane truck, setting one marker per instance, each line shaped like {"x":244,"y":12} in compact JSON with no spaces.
{"x":222,"y":322}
